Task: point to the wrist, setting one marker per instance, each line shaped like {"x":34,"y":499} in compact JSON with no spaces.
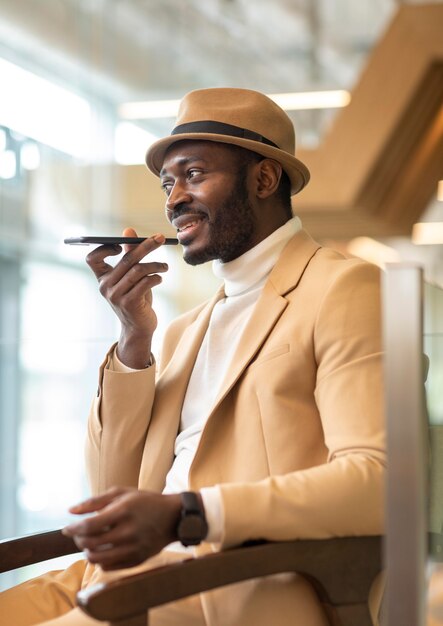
{"x":134,"y":349}
{"x":175,"y":504}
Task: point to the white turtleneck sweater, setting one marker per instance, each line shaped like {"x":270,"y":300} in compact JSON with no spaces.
{"x":243,"y":278}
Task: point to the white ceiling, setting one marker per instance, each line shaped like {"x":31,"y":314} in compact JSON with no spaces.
{"x":124,"y":50}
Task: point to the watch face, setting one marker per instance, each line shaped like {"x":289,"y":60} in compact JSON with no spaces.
{"x":192,"y":529}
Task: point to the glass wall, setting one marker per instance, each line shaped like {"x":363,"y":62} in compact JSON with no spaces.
{"x":63,"y":150}
{"x":56,"y":160}
{"x":52,"y":329}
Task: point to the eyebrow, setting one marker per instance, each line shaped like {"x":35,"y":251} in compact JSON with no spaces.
{"x":184,"y":161}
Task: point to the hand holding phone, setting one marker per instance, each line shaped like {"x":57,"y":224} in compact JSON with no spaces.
{"x":127,"y":286}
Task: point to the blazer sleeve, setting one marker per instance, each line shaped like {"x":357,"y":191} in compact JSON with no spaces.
{"x":345,"y":495}
{"x":117,"y":426}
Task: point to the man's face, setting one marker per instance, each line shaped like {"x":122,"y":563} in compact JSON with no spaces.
{"x":208,"y":204}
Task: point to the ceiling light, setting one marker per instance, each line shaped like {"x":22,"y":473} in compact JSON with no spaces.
{"x":427,"y":233}
{"x":155,"y":109}
{"x":312,"y":100}
{"x":372,"y":251}
{"x":131,"y":143}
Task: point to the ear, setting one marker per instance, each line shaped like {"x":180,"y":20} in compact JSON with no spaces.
{"x":267,"y":177}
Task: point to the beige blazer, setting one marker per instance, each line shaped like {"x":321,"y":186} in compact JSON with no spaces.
{"x":296,"y":437}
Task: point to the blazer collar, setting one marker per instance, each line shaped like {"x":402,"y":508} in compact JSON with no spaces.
{"x":170,"y":391}
{"x":292,"y":263}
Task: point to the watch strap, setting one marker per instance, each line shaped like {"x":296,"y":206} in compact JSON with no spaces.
{"x":190,"y":503}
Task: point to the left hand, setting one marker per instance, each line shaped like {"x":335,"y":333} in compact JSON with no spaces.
{"x":129,"y":526}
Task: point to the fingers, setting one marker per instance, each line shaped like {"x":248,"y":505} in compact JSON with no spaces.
{"x":128,"y":284}
{"x":128,"y":232}
{"x":117,"y":557}
{"x":138,"y":280}
{"x":96,"y":258}
{"x":112,"y":547}
{"x":137,"y":272}
{"x":98,"y":524}
{"x":104,"y":537}
{"x":136,"y":254}
{"x":97,"y":502}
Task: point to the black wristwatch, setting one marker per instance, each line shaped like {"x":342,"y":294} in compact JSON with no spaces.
{"x":192,"y":527}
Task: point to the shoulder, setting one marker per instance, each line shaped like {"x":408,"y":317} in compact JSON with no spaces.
{"x":313,"y":268}
{"x":332,"y":267}
{"x":344,"y":286}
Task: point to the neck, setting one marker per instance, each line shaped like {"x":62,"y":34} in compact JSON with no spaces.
{"x":273,"y":215}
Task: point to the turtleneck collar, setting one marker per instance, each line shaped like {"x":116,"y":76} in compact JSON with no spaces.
{"x":253,"y":267}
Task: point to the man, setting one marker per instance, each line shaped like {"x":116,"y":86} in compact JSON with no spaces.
{"x":267,"y":406}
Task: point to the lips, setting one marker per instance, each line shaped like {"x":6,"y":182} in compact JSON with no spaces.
{"x":187,"y":225}
{"x":186,"y":220}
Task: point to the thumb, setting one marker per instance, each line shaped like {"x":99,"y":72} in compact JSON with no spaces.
{"x":129,"y":232}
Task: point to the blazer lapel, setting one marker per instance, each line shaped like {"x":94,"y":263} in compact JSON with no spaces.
{"x":284,"y":278}
{"x":170,"y":392}
{"x":177,"y":373}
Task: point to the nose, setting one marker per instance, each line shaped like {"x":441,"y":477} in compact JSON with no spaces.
{"x":177,"y":196}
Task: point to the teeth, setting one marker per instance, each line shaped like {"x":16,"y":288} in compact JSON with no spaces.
{"x":187,"y":226}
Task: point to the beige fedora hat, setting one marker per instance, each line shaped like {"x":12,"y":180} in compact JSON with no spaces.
{"x":236,"y":116}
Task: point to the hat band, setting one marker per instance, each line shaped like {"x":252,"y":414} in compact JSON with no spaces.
{"x":219,"y":128}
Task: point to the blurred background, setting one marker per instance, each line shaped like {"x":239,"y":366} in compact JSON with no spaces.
{"x":87,"y":85}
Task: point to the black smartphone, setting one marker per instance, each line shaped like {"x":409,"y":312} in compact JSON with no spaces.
{"x":92,"y":239}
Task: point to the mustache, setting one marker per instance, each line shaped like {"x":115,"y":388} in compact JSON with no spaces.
{"x":183,"y":209}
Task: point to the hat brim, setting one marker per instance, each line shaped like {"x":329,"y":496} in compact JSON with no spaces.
{"x":298,"y":172}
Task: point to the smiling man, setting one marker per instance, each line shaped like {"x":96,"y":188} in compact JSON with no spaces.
{"x":263,"y":418}
{"x":195,"y":173}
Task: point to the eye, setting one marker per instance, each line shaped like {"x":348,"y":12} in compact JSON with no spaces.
{"x":193,"y":173}
{"x":167,"y":186}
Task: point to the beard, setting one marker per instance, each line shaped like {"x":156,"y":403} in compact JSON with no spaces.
{"x":231,"y":230}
